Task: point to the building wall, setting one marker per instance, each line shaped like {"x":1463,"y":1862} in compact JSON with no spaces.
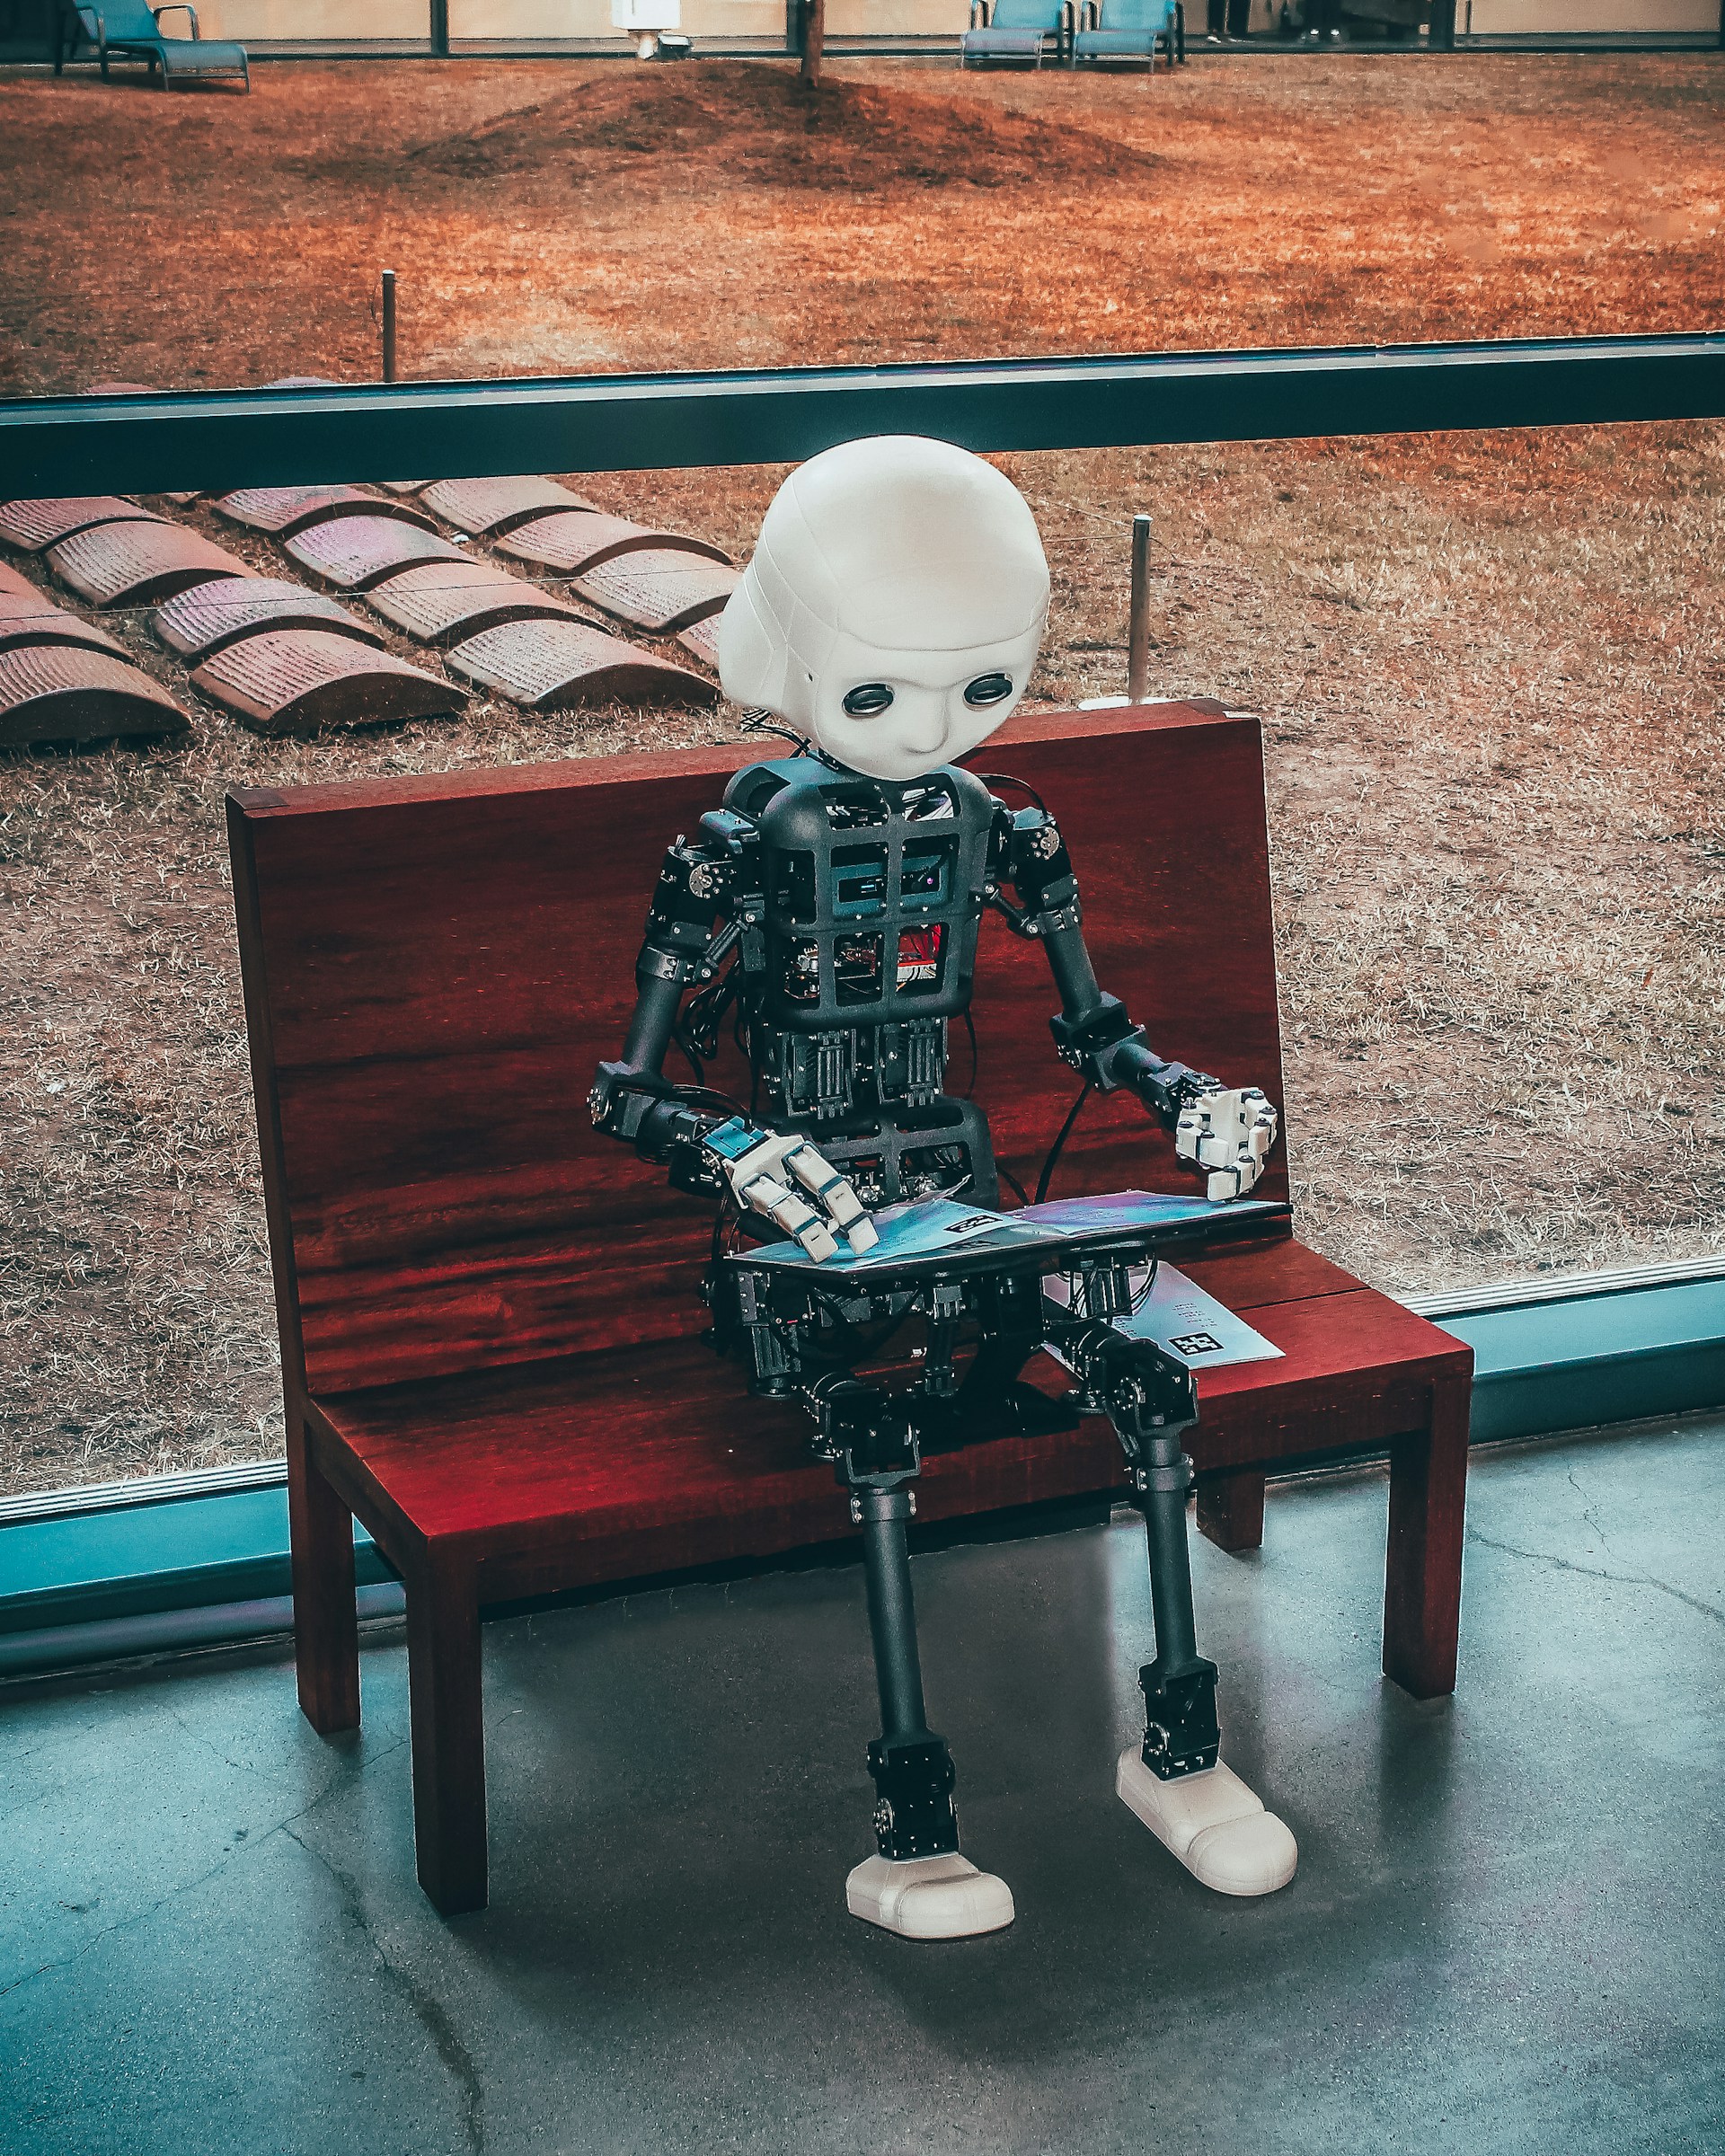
{"x":1539,"y":18}
{"x":324,"y":20}
{"x":895,"y":17}
{"x":553,"y":18}
{"x":327,"y":20}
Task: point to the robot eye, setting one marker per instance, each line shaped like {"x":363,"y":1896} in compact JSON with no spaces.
{"x":870,"y":700}
{"x":989,"y":688}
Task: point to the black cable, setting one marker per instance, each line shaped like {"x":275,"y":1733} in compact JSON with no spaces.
{"x":1055,"y":1150}
{"x":710,"y":1096}
{"x":697,"y":1032}
{"x":725,"y":1203}
{"x":759,"y":722}
{"x":1005,"y":778}
{"x":970,"y":1092}
{"x":1011,"y":1183}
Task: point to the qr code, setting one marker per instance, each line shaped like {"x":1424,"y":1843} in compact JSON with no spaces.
{"x":1189,"y":1344}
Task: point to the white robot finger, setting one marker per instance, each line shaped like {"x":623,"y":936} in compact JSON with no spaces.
{"x":836,"y":1196}
{"x":1190,"y":1131}
{"x":1230,"y":1134}
{"x":793,"y":1213}
{"x":1246,"y":1172}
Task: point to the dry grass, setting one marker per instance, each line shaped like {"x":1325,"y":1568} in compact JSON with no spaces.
{"x":1491,"y":669}
{"x":607,"y":222}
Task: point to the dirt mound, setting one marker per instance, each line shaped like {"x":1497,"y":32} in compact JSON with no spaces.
{"x":732,"y":123}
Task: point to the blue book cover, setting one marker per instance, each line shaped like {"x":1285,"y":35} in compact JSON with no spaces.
{"x":931,"y":1224}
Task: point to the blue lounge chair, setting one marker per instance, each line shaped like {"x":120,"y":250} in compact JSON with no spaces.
{"x":1130,"y":29}
{"x":1016,"y":29}
{"x":128,"y":30}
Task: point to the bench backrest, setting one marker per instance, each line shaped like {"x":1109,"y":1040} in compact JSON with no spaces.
{"x":434,"y":967}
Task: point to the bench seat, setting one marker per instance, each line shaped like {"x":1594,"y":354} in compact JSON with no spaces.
{"x":590,"y":1468}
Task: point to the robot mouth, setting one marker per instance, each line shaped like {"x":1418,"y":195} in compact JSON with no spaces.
{"x":891,"y":759}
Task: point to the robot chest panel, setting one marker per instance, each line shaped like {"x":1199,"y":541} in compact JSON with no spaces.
{"x":873,"y":896}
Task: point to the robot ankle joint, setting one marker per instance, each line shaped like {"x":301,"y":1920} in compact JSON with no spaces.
{"x":1181,"y":1734}
{"x":914,"y":1813}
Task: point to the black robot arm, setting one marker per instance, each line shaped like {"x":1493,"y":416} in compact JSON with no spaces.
{"x":702,"y":884}
{"x":708,"y":906}
{"x":1093,"y":1030}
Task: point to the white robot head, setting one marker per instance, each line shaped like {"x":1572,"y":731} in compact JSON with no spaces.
{"x":894,"y":608}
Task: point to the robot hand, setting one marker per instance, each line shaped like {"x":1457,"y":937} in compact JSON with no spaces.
{"x":771,"y":1174}
{"x":1229,"y":1132}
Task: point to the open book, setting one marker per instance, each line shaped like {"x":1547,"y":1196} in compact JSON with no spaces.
{"x":917,"y":1236}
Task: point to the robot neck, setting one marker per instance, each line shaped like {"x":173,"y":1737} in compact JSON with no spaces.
{"x":817,"y":755}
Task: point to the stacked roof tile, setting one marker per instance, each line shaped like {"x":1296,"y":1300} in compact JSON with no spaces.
{"x":63,"y":679}
{"x":284,"y":657}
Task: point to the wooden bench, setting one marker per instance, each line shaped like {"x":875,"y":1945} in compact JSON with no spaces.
{"x":489,"y":1317}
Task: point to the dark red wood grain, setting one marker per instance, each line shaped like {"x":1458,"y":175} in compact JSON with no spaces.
{"x":1230,"y":1508}
{"x":660,"y":1440}
{"x":447,"y":969}
{"x":489,"y":1316}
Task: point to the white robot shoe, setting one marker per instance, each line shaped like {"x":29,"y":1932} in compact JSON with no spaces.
{"x":929,"y":1898}
{"x":1212,"y":1822}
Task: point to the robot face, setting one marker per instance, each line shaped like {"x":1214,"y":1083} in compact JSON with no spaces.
{"x":895,"y":605}
{"x":898,"y":714}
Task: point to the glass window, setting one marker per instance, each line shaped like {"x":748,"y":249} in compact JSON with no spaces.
{"x":1488,"y":668}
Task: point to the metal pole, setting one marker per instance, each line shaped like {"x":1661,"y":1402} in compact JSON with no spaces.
{"x":1170,"y":1562}
{"x":389,"y":325}
{"x":892,"y":1613}
{"x":1137,"y":642}
{"x":440,"y":28}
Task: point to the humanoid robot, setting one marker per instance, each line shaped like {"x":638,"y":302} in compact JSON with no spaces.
{"x":829,"y":910}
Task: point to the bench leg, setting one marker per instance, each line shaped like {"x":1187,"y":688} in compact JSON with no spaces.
{"x":1231,"y":1509}
{"x":326,"y":1635}
{"x":448,"y":1736}
{"x":1422,"y":1593}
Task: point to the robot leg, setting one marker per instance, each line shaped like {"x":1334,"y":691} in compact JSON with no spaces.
{"x":1174,"y":1782}
{"x":918,"y":1885}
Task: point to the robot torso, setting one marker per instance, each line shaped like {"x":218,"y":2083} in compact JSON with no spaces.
{"x":868,"y":895}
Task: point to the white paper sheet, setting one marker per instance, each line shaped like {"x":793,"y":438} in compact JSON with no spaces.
{"x":1178,"y":1316}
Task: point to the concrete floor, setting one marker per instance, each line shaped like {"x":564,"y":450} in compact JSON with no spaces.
{"x":1505,"y":1933}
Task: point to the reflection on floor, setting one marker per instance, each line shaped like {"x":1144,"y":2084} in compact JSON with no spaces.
{"x":1505,"y":1935}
